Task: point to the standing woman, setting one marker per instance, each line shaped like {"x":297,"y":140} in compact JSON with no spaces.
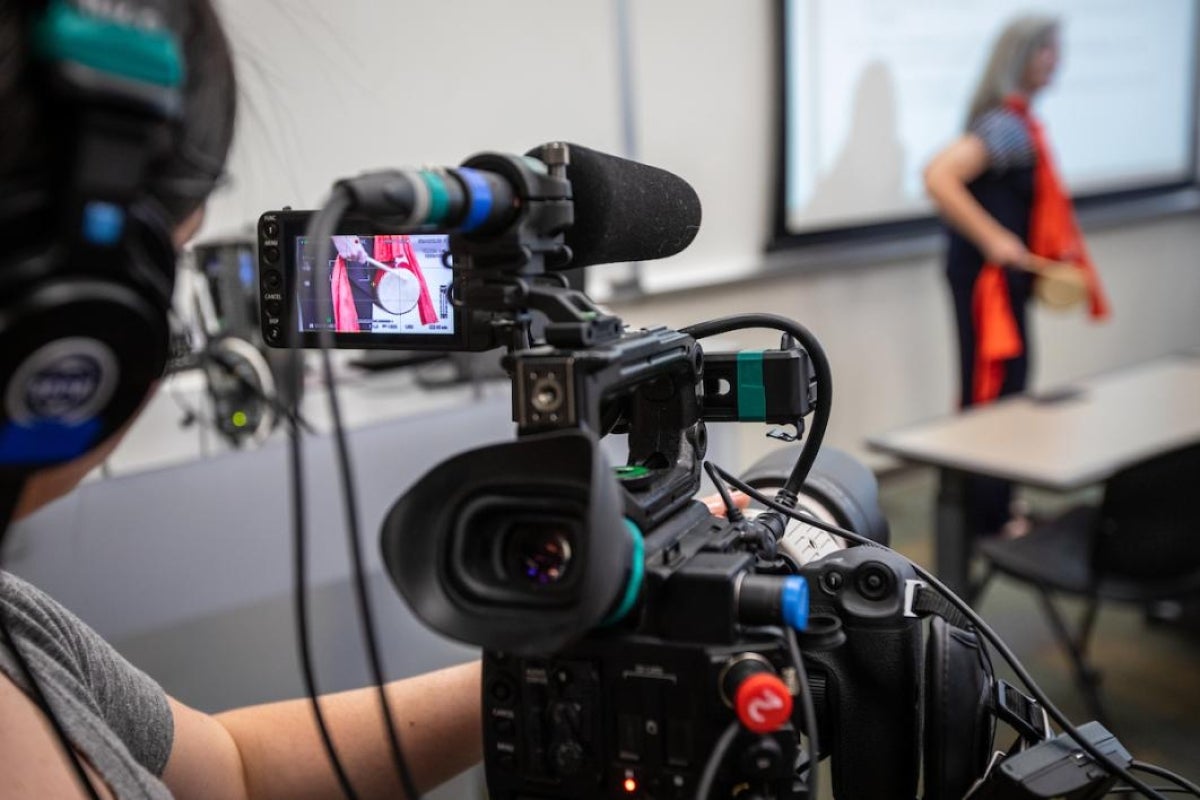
{"x":998,"y":189}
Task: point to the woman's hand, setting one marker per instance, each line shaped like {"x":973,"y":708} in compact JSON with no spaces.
{"x":350,"y":248}
{"x":1006,"y":249}
{"x":716,"y":505}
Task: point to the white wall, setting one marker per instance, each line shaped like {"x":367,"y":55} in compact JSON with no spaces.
{"x":430,"y":82}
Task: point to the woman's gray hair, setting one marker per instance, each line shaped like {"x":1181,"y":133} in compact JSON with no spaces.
{"x":1010,"y":57}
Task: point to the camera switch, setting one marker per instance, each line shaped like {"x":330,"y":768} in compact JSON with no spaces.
{"x":679,"y":742}
{"x":630,"y":742}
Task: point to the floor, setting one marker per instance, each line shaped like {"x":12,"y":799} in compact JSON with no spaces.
{"x":1151,"y":671}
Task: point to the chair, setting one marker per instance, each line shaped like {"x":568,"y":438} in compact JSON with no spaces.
{"x":1141,"y":545}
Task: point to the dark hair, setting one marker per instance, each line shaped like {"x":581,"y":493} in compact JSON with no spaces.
{"x":196,"y":162}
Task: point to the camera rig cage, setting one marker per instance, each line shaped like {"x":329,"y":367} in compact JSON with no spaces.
{"x":634,"y":644}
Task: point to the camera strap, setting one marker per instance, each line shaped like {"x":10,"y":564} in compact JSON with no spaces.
{"x":922,"y":601}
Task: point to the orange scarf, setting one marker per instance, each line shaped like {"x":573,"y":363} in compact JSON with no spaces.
{"x":345,"y":314}
{"x":1054,"y":234}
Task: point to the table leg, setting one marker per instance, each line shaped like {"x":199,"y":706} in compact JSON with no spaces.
{"x":953,"y":539}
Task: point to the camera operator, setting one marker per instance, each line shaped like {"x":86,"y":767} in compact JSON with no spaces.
{"x":131,"y":739}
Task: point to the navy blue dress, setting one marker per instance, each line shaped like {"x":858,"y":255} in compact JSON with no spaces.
{"x":1005,"y":191}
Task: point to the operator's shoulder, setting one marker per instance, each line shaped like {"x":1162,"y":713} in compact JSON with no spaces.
{"x":32,"y":762}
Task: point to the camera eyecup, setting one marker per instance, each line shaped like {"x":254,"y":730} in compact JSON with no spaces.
{"x":637,"y":571}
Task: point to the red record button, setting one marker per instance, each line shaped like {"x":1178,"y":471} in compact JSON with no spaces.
{"x":763,"y":703}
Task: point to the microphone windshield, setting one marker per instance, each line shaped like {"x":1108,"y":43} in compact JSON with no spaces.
{"x":626,"y":211}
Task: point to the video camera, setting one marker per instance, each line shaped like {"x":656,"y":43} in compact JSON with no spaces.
{"x":636,"y":645}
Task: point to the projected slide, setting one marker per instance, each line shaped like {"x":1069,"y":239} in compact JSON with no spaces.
{"x":874,"y":88}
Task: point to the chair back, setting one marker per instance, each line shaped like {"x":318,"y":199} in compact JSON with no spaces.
{"x":1149,"y":528}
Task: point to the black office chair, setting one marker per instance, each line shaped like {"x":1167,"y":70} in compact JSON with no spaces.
{"x":1141,"y":545}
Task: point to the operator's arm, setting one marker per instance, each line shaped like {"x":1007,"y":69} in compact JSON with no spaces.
{"x":275,"y":751}
{"x":946,"y":180}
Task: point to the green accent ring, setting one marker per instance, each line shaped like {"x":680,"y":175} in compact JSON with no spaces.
{"x":637,"y":571}
{"x":751,"y":393}
{"x":630,"y":472}
{"x":151,"y":56}
{"x":439,"y":198}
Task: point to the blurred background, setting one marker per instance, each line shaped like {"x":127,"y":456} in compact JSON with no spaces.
{"x":804,"y":126}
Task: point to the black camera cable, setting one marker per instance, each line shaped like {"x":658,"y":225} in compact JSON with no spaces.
{"x":1183,"y":783}
{"x":808,"y":710}
{"x":319,"y":235}
{"x":296,"y":424}
{"x":293,"y":378}
{"x":812,"y":749}
{"x":821,"y":373}
{"x":977,"y":621}
{"x":709,"y":775}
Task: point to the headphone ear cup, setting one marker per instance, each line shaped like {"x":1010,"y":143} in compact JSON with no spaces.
{"x":959,"y":725}
{"x":80,"y":356}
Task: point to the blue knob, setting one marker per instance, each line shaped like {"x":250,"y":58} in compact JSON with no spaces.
{"x":795,"y":602}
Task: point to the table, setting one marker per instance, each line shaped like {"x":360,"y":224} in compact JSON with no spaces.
{"x":1062,"y":439}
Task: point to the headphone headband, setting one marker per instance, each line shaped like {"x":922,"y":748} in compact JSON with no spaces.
{"x":83,"y":319}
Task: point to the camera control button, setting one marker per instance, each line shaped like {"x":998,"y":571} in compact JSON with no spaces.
{"x":831,"y":581}
{"x":873,"y":581}
{"x":763,"y":703}
{"x":762,"y":759}
{"x":680,"y":741}
{"x":568,"y":757}
{"x":501,"y":691}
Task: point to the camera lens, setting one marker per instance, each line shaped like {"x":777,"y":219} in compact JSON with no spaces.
{"x":539,"y":552}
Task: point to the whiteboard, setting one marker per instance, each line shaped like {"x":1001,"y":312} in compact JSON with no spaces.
{"x":874,"y":88}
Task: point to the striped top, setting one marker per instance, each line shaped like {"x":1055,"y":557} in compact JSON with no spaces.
{"x":1006,"y":138}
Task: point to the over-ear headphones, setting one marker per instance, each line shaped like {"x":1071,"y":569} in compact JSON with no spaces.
{"x":87,"y":270}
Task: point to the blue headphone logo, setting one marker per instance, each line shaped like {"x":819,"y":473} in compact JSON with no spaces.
{"x":68,"y":381}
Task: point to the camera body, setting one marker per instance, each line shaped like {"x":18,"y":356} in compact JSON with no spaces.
{"x":620,"y":619}
{"x":637,"y":711}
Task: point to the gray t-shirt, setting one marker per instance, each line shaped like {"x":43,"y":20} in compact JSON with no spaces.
{"x":114,"y":713}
